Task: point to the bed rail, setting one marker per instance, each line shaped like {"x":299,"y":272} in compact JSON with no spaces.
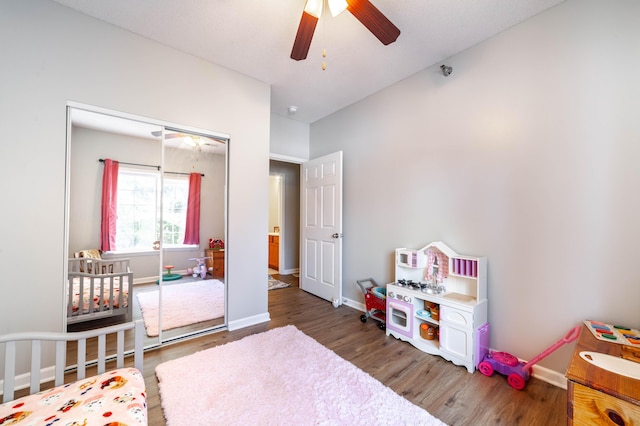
{"x":99,"y":266}
{"x":98,"y":283}
{"x":61,"y":340}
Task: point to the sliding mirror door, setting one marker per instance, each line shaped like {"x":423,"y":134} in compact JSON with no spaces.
{"x":113,"y":203}
{"x":144,"y":201}
{"x":194,"y":200}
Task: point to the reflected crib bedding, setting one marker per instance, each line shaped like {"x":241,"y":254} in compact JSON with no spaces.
{"x":108,"y":293}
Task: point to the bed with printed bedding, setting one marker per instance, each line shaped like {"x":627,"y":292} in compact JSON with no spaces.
{"x":98,"y":288}
{"x":117,"y":397}
{"x":114,"y":395}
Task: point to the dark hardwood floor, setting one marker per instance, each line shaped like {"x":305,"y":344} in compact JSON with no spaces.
{"x":447,"y":391}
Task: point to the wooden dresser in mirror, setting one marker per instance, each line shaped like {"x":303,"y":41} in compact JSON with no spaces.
{"x":215,"y":262}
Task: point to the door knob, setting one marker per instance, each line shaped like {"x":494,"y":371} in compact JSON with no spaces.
{"x":336,"y":235}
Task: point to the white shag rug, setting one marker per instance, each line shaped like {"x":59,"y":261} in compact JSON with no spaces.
{"x":279,"y":377}
{"x":182,"y":304}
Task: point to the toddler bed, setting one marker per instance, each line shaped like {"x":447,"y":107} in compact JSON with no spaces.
{"x":98,"y":288}
{"x":109,"y":397}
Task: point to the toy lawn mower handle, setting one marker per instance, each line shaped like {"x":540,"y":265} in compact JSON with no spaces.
{"x":572,"y":334}
{"x":570,"y":337}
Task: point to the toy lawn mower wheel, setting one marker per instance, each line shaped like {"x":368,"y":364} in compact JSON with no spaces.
{"x":485,"y":368}
{"x":516,"y":381}
{"x":363,"y":318}
{"x":381,"y":326}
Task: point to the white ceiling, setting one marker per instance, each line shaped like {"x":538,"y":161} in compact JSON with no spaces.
{"x":255,"y":38}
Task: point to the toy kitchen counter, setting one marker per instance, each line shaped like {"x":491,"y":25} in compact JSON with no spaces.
{"x":603,"y":377}
{"x":438,"y":303}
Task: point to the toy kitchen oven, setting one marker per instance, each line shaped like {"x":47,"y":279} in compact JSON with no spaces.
{"x":438,"y":303}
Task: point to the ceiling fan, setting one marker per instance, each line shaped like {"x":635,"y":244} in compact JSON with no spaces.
{"x":363,"y":10}
{"x":192,"y":140}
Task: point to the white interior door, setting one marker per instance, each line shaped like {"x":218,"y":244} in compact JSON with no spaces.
{"x":321,"y":223}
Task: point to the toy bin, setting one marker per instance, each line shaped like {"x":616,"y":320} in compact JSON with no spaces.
{"x":428,"y":332}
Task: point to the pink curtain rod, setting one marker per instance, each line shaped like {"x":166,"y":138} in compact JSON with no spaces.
{"x":149,"y":165}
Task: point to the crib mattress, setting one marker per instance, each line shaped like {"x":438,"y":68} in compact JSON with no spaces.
{"x":116,"y":397}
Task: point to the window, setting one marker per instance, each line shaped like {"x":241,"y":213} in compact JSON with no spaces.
{"x":176,"y":196}
{"x":138,"y":223}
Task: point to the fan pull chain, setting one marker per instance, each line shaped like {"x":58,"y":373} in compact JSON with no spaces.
{"x":325,"y":3}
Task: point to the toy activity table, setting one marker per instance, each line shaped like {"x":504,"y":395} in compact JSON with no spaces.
{"x":614,"y":333}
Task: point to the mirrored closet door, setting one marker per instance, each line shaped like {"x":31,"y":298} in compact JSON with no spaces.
{"x":194,"y":193}
{"x":146,"y":225}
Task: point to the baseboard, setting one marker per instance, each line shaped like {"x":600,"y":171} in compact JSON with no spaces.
{"x":550,"y":376}
{"x":546,"y":375}
{"x":154,"y":278}
{"x":145,"y":280}
{"x":249,"y":321}
{"x":354,"y":304}
{"x":291,"y":271}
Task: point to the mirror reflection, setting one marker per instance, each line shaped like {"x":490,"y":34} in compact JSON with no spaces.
{"x":193,"y":284}
{"x":147,"y":226}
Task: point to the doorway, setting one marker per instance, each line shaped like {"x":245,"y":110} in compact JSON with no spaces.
{"x":276,"y":202}
{"x":325,"y":171}
{"x":289,"y":215}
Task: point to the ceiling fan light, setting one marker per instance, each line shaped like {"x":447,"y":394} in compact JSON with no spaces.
{"x":314,"y":7}
{"x":189,"y":141}
{"x":337,"y":7}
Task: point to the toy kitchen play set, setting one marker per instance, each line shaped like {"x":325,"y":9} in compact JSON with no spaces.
{"x":438,"y":303}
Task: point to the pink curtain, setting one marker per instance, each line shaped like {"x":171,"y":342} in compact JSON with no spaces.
{"x":109,"y":205}
{"x":192,"y":229}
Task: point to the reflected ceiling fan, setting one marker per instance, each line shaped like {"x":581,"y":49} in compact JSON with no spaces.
{"x":363,"y":10}
{"x":193,"y":140}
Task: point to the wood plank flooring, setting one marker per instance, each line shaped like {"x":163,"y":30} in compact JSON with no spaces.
{"x":447,"y":391}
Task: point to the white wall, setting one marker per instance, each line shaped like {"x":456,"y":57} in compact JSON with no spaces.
{"x":289,"y":143}
{"x":51,"y":55}
{"x":289,"y":138}
{"x":527,"y":154}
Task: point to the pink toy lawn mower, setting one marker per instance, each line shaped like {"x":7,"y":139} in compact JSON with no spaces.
{"x":518,"y":372}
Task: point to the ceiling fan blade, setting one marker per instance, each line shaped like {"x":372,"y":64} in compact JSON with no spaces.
{"x":374,"y":20}
{"x":303,"y":38}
